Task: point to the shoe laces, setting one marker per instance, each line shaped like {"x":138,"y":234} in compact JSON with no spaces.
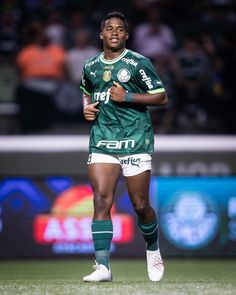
{"x":157,"y":262}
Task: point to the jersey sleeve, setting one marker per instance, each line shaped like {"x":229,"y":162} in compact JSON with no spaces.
{"x":148,"y":78}
{"x":86,"y":84}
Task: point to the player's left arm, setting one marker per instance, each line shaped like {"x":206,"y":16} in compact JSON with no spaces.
{"x":147,"y":79}
{"x":119,"y":94}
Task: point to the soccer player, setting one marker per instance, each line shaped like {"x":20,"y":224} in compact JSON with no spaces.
{"x":118,"y":85}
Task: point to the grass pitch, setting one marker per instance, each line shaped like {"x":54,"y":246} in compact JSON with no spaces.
{"x":182,"y":276}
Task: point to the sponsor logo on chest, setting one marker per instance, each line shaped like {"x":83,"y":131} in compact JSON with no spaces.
{"x":102,"y":96}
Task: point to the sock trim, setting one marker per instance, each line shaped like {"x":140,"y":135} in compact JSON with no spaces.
{"x":102,"y":232}
{"x":147,"y":234}
{"x":147,"y":225}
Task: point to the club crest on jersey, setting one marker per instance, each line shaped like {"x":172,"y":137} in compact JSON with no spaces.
{"x":107,"y":75}
{"x":123,"y":75}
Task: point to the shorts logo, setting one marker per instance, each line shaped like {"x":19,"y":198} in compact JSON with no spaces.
{"x":89,"y":158}
{"x":107,"y":75}
{"x":130,"y":161}
{"x":123,"y":75}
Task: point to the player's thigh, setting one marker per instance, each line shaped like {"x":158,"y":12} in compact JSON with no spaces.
{"x":138,"y":188}
{"x":103,"y":178}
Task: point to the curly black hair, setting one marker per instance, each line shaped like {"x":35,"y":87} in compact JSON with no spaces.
{"x":114,"y":14}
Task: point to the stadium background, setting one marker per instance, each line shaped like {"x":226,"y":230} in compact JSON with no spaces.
{"x":45,"y":199}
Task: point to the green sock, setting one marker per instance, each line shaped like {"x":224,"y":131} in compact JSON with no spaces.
{"x":102,"y":232}
{"x":150,"y":234}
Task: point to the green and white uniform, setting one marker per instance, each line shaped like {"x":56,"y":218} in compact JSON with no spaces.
{"x":120,"y":128}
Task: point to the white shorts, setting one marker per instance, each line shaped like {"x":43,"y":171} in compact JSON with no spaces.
{"x":131,"y":165}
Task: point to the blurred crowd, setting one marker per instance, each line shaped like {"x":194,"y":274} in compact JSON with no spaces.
{"x":44,"y":43}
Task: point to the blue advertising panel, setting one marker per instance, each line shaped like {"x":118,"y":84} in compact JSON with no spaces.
{"x":197,"y":215}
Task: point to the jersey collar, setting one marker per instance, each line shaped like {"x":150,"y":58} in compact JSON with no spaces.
{"x":112,"y":61}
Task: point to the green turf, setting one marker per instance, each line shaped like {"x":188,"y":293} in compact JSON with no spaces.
{"x":64,"y":277}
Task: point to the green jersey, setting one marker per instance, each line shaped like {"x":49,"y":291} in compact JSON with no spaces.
{"x":120,"y":128}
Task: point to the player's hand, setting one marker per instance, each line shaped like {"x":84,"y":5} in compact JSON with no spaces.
{"x":91,"y":111}
{"x":117,"y":92}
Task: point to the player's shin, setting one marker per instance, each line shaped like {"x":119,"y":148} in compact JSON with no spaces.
{"x":102,"y":232}
{"x":150,"y":234}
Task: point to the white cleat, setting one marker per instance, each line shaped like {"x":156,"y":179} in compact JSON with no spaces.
{"x":101,"y":274}
{"x":155,"y":266}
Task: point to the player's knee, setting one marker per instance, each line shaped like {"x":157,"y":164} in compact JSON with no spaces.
{"x":102,"y":202}
{"x":140,"y":208}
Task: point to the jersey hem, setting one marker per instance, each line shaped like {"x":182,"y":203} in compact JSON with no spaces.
{"x":120,"y":153}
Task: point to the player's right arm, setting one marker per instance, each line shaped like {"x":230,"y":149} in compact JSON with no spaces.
{"x":90,"y":109}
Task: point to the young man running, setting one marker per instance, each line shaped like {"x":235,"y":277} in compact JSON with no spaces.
{"x":118,"y":85}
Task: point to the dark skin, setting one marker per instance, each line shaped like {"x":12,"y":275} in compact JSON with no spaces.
{"x":104,"y":176}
